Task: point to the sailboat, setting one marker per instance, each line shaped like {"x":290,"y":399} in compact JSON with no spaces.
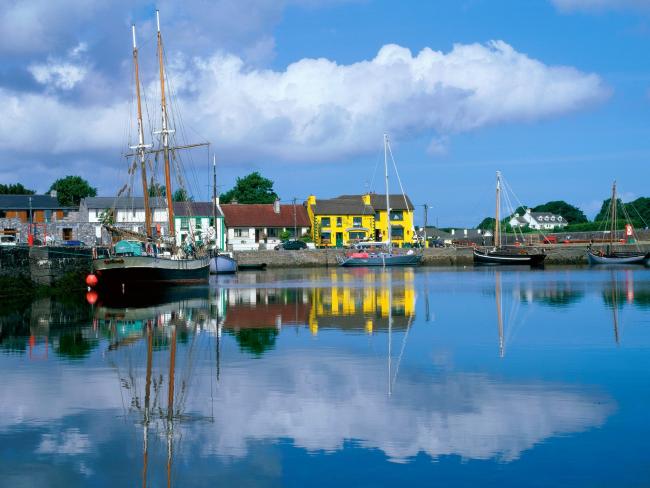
{"x":502,"y":254}
{"x":610,"y":256}
{"x":387,"y":257}
{"x":219,"y":263}
{"x":141,"y":259}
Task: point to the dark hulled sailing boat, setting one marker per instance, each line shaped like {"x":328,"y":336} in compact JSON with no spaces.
{"x":503,"y":254}
{"x":143,"y":259}
{"x":610,"y":255}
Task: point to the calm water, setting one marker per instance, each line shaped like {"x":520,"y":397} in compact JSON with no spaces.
{"x":335,"y":378}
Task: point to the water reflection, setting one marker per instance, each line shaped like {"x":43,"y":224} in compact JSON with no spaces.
{"x":212,"y":376}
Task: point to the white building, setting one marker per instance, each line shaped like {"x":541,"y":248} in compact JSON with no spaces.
{"x":198,"y":220}
{"x":260,"y":226}
{"x":127,"y":211}
{"x":538,"y":221}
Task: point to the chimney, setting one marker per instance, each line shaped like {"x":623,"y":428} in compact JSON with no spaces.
{"x":453,"y":232}
{"x":216,"y":200}
{"x":276,"y":206}
{"x":53,"y":193}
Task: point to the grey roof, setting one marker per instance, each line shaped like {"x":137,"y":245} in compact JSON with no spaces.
{"x":38,"y":202}
{"x":342,"y":206}
{"x":195,"y":209}
{"x":378,"y":202}
{"x":353,"y":204}
{"x":122,"y":202}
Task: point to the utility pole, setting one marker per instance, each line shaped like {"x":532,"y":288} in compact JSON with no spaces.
{"x":295,"y":230}
{"x":426,"y":212}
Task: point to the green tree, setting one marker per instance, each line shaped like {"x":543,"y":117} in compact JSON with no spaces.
{"x":181,"y":195}
{"x":253,"y":188}
{"x":157,"y":190}
{"x":15,"y":189}
{"x":71,"y":189}
{"x":559,"y":207}
{"x":487,"y":223}
{"x":605,"y":210}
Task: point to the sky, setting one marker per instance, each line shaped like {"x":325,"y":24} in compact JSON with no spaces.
{"x":555,"y":94}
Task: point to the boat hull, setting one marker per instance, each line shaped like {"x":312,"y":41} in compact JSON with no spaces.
{"x":499,"y":257}
{"x":222,"y":264}
{"x":136,"y":271}
{"x":383,"y":260}
{"x":622,"y":258}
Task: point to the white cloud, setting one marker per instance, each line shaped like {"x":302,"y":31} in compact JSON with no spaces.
{"x":600,"y":5}
{"x":317,"y":109}
{"x":56,"y":74}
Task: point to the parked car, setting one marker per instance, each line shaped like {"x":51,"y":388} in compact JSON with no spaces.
{"x":291,"y":245}
{"x":7,"y":240}
{"x":73,"y":243}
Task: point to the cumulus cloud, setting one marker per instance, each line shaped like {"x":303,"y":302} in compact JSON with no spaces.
{"x":319,"y":110}
{"x":600,"y":5}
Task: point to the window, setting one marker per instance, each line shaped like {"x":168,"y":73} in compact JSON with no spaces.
{"x":211,"y":222}
{"x":356,"y":222}
{"x":185,"y":223}
{"x":241,"y":232}
{"x":396,"y":215}
{"x":273,"y":232}
{"x":326,"y":237}
{"x":377,"y":215}
{"x":197,"y":220}
{"x":339,"y":221}
{"x":325,"y":222}
{"x":397,"y":232}
{"x":357,"y":235}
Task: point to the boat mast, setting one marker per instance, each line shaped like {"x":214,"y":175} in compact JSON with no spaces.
{"x":140,"y":148}
{"x":165,"y":131}
{"x":214,"y":197}
{"x":388,"y":226}
{"x":613,"y":222}
{"x":497,"y":227}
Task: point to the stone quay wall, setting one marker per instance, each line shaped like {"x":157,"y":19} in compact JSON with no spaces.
{"x":44,"y":265}
{"x":461,"y":256}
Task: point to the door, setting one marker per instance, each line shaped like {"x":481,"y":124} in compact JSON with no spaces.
{"x":339,"y":239}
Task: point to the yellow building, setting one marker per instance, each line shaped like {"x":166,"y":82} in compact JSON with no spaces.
{"x":344,"y":220}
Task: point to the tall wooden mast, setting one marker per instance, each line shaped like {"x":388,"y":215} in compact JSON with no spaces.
{"x":165,"y":131}
{"x":497,"y":226}
{"x":613,"y":222}
{"x":141,"y":147}
{"x":388,"y":226}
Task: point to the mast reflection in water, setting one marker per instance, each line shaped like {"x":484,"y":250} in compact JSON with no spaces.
{"x":277,"y":378}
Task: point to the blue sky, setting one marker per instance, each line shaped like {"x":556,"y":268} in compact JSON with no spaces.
{"x":554,"y":93}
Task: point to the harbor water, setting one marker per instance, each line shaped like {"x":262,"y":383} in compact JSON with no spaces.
{"x":331,"y":377}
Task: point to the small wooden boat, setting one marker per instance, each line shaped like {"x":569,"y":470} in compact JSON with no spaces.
{"x":386,"y":256}
{"x":222,"y":264}
{"x":610,"y":255}
{"x":499,"y":254}
{"x":380,"y":259}
{"x":620,"y":257}
{"x":509,"y":256}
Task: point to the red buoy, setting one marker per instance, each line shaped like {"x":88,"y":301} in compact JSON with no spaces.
{"x":91,"y":297}
{"x":91,"y":280}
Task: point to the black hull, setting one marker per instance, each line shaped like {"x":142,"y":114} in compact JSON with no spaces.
{"x":138,"y":273}
{"x":507,"y":258}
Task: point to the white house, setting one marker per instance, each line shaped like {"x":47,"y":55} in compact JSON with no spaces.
{"x":126,"y":210}
{"x":198,"y":220}
{"x":259,"y":226}
{"x":538,"y":220}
